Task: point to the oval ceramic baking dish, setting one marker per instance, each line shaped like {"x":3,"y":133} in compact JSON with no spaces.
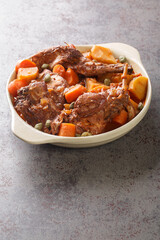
{"x":29,"y":134}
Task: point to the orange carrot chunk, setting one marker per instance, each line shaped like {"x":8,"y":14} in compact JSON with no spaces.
{"x":71,"y":77}
{"x":26,"y":63}
{"x":74,"y":92}
{"x":16,"y":85}
{"x":121,"y":118}
{"x":59,"y":69}
{"x":67,"y":130}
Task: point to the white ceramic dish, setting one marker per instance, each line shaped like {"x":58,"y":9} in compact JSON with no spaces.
{"x":27,"y":133}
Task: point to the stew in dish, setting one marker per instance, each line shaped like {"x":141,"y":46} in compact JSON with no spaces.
{"x":64,"y":92}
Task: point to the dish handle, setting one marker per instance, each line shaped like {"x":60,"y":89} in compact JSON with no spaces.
{"x":27,"y":133}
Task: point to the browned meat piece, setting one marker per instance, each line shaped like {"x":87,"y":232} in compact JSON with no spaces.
{"x":71,"y":57}
{"x":57,"y":55}
{"x":57,"y":82}
{"x":56,"y":86}
{"x":131,"y":111}
{"x":89,"y":104}
{"x":94,"y":124}
{"x":40,"y":101}
{"x":35,"y":91}
{"x":42,"y":74}
{"x":92,"y":111}
{"x":55,"y":124}
{"x":28,"y":102}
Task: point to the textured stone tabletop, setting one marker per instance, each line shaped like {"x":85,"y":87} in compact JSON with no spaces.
{"x":110,"y":192}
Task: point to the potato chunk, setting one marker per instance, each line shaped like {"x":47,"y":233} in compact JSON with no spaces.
{"x":27,"y":73}
{"x":92,"y":84}
{"x":102,"y":54}
{"x":138,"y":87}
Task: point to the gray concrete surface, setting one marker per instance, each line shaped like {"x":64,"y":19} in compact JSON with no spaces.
{"x":110,"y":192}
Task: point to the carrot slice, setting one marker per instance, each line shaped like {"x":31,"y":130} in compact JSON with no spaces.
{"x":26,"y":63}
{"x":16,"y":85}
{"x":67,"y":130}
{"x":74,"y":92}
{"x":59,"y":69}
{"x":121,"y":118}
{"x":71,"y":77}
{"x":27,"y":74}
